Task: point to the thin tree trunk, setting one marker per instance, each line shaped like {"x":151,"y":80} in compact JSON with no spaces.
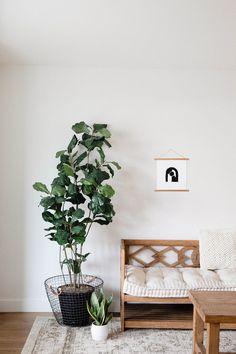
{"x":61,"y":265}
{"x":69,"y":271}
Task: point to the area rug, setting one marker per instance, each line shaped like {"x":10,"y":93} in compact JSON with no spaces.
{"x":47,"y":337}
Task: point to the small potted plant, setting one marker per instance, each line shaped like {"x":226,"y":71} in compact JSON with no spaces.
{"x":78,"y":198}
{"x":98,"y":310}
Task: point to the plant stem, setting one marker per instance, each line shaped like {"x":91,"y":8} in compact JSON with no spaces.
{"x":80,"y":273}
{"x":69,"y":271}
{"x":91,"y":223}
{"x":61,"y":265}
{"x":75,"y":256}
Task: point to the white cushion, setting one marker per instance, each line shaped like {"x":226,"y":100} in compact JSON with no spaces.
{"x":176,"y":282}
{"x":217,"y":249}
{"x":135,"y":275}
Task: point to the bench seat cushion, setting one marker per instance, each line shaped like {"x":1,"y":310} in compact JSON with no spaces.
{"x":176,"y":282}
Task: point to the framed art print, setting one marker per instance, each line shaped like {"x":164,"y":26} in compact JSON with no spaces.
{"x":171,"y":174}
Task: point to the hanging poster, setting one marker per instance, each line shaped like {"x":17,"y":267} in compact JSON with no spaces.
{"x":171,"y":174}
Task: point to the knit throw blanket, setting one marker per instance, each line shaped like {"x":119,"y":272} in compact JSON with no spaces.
{"x":217,"y":249}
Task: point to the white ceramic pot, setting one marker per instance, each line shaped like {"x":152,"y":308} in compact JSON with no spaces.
{"x":99,"y":333}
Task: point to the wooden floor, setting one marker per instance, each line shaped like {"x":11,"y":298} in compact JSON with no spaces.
{"x":14,"y":329}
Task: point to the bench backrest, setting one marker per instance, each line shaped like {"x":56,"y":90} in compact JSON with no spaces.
{"x":168,"y":253}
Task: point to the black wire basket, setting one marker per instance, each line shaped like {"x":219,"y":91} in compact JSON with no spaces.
{"x":69,"y":307}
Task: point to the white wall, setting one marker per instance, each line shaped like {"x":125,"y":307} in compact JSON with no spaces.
{"x":148,"y":111}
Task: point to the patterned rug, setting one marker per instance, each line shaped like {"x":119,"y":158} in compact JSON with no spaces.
{"x":47,"y":337}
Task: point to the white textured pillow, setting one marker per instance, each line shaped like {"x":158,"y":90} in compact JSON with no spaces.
{"x":135,"y":275}
{"x":217,"y":249}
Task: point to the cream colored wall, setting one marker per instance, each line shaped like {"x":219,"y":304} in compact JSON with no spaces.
{"x":148,"y":111}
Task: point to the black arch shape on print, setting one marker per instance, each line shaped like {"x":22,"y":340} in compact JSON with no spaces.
{"x":173,"y":173}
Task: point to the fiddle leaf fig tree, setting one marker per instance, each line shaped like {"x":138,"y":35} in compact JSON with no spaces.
{"x":79,"y":195}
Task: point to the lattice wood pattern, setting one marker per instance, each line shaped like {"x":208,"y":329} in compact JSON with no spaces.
{"x":185,"y":254}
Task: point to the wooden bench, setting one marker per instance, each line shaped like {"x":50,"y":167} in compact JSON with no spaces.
{"x":135,"y":311}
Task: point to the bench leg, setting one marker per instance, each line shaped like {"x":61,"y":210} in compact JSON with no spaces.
{"x":198,"y":332}
{"x":213,"y":331}
{"x":122,"y":314}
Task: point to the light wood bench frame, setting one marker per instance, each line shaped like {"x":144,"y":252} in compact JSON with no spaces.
{"x":181,"y":248}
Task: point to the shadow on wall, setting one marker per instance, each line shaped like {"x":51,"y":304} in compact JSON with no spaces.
{"x":132,"y":203}
{"x":12,"y":202}
{"x":8,"y":56}
{"x":131,"y":207}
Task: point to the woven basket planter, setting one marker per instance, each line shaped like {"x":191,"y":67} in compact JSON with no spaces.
{"x":69,"y":307}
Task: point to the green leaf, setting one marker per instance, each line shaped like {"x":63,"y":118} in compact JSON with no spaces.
{"x":107,"y":143}
{"x":74,"y":265}
{"x":102,"y":129}
{"x":77,"y":214}
{"x":101,"y":296}
{"x":58,"y":190}
{"x":70,"y":211}
{"x":47,"y":216}
{"x":109,"y":301}
{"x":101,"y":313}
{"x":97,"y":163}
{"x":72,"y":189}
{"x":110,"y":170}
{"x":62,"y":237}
{"x":40,"y":187}
{"x":88,"y":189}
{"x":80,"y":239}
{"x":82,"y":257}
{"x":109,"y":211}
{"x":98,"y":308}
{"x":97,"y":204}
{"x":91,"y":142}
{"x":81,"y":127}
{"x":90,"y":311}
{"x":88,"y":181}
{"x":102,"y":221}
{"x":80,"y":158}
{"x":77,"y":198}
{"x":94,"y":300}
{"x":105,"y":132}
{"x":59,"y":200}
{"x":59,"y":222}
{"x":102,"y":155}
{"x":85,"y":256}
{"x":72,"y":143}
{"x":97,"y":127}
{"x":63,"y":180}
{"x":68,"y":170}
{"x":52,"y":236}
{"x":87,"y":141}
{"x":59,"y":214}
{"x":59,"y":153}
{"x":48,"y":202}
{"x":50,"y":228}
{"x":108,"y":318}
{"x":86,"y":220}
{"x":116,"y":164}
{"x":77,"y":229}
{"x":97,"y":174}
{"x":64,"y":158}
{"x":106,"y":190}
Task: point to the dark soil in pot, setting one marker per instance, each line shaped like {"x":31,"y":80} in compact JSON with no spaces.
{"x":73,"y":304}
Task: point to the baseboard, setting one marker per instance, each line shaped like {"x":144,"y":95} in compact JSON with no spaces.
{"x":24,"y":305}
{"x":29,"y":305}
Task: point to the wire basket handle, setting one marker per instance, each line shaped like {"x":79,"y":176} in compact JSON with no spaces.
{"x":90,"y":280}
{"x":55,"y":292}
